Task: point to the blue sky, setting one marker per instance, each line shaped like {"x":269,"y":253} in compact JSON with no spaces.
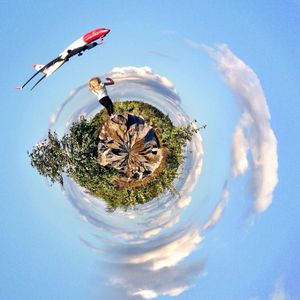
{"x":248,"y":253}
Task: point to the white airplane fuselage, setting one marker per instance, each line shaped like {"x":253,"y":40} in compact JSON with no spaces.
{"x":48,"y":71}
{"x":86,"y":40}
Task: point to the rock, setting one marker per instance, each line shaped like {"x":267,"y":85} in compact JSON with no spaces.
{"x":129,"y":145}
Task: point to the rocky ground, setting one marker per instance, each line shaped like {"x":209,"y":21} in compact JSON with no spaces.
{"x":130,"y":145}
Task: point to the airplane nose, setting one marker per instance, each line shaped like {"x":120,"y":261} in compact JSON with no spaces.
{"x":95,"y":34}
{"x":106,"y":31}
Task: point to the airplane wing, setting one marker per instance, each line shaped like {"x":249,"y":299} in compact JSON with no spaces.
{"x":52,"y":62}
{"x":38,"y":82}
{"x":71,"y":53}
{"x":81,"y":49}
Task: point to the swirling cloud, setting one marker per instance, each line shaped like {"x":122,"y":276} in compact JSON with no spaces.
{"x":168,"y":254}
{"x":147,"y":248}
{"x":138,"y":281}
{"x":219,"y":208}
{"x":253,"y":133}
{"x":261,"y":139}
{"x":147,"y":242}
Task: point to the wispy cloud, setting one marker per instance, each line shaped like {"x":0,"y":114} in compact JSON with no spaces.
{"x":136,"y":281}
{"x":151,"y":232}
{"x":197,"y":153}
{"x":160,"y":54}
{"x":218,"y":211}
{"x":150,"y":294}
{"x":240,"y":147}
{"x":144,"y":75}
{"x":253,"y":132}
{"x":168,"y":255}
{"x":263,"y":144}
{"x":56,"y":113}
{"x":147,"y":294}
{"x":279,"y":293}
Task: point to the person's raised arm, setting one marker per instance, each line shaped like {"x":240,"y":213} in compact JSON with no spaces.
{"x":109,"y":81}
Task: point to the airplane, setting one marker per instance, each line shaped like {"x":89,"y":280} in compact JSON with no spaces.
{"x":86,"y":42}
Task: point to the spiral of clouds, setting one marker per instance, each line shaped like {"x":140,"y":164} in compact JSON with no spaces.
{"x":147,"y":249}
{"x":151,"y":240}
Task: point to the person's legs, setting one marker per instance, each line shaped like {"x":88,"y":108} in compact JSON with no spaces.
{"x":107,"y":103}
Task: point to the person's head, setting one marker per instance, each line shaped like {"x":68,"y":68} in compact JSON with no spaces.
{"x":94,"y":83}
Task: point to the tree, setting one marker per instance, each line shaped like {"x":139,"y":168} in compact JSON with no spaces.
{"x":50,"y":158}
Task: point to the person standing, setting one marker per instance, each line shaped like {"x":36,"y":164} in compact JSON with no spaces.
{"x":98,"y":88}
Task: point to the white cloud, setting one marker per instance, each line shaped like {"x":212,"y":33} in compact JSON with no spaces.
{"x":218,"y":211}
{"x":147,"y":294}
{"x":164,"y":216}
{"x":125,"y":235}
{"x":176,"y":291}
{"x":172,"y":222}
{"x":279,"y":292}
{"x":184,"y":201}
{"x":160,"y":218}
{"x":261,"y":140}
{"x":54,"y":116}
{"x":240,"y":148}
{"x":151,"y":232}
{"x":142,"y":73}
{"x":150,"y":294}
{"x":170,"y":254}
{"x":196,"y":148}
{"x":137,"y":280}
